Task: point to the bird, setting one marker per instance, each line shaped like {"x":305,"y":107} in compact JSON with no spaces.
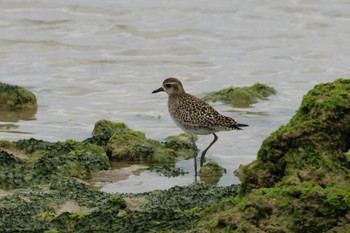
{"x":195,"y":116}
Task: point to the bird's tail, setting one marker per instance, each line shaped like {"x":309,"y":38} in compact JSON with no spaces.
{"x":238,"y":125}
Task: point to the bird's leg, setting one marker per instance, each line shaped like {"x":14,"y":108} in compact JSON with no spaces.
{"x":194,"y":146}
{"x":195,"y":153}
{"x":205,"y":151}
{"x":195,"y":169}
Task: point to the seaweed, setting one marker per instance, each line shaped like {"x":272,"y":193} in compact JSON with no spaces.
{"x":16,"y":103}
{"x":241,"y":96}
{"x":300,"y":181}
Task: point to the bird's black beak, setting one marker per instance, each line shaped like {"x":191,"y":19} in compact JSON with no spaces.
{"x":158,"y":90}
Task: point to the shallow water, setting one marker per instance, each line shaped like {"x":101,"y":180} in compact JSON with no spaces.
{"x":89,"y":60}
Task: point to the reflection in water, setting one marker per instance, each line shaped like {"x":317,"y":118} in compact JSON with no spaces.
{"x":15,"y":116}
{"x":8,"y":127}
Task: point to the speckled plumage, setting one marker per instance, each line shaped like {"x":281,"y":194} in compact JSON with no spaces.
{"x":194,"y":115}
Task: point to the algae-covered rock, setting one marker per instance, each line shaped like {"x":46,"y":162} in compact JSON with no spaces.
{"x":108,"y":128}
{"x":104,"y":130}
{"x":211,"y":172}
{"x":15,"y":98}
{"x":241,"y":96}
{"x":46,"y":160}
{"x":67,"y":205}
{"x":305,"y":207}
{"x":16,"y":103}
{"x":134,"y":146}
{"x":181,"y":144}
{"x":172,"y":210}
{"x":300,"y":181}
{"x":311,"y":147}
{"x":39,"y":207}
{"x":123,"y":143}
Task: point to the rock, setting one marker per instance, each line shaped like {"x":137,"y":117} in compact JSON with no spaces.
{"x":47,"y":160}
{"x":241,"y":96}
{"x":16,"y":103}
{"x":134,"y":146}
{"x":181,"y":144}
{"x":311,"y":147}
{"x":300,"y":181}
{"x":109,"y":128}
{"x":124,"y":144}
{"x":16,"y":98}
{"x":211,"y":172}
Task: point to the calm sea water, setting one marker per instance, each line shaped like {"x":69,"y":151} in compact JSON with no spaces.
{"x":91,"y":60}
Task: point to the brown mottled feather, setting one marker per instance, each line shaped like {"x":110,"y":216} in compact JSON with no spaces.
{"x":192,"y":114}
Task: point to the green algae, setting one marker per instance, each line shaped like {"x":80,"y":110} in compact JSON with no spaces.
{"x":300,"y":181}
{"x":181,"y":144}
{"x":35,"y":209}
{"x":16,"y":98}
{"x":241,"y":96}
{"x":311,"y":146}
{"x":124,"y":144}
{"x":108,"y":128}
{"x":175,"y":209}
{"x":47,"y":159}
{"x":306,"y":207}
{"x":134,"y":146}
{"x":16,"y":103}
{"x":211,"y":172}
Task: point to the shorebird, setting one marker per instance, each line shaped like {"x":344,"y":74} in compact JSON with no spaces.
{"x":195,"y":116}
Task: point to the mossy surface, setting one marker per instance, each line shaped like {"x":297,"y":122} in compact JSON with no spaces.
{"x":241,"y":96}
{"x":211,"y":172}
{"x":46,"y":160}
{"x":16,"y":98}
{"x":181,"y":144}
{"x":124,"y":144}
{"x":134,"y":146}
{"x":300,"y":181}
{"x":312,"y":146}
{"x":176,"y":209}
{"x":16,"y":103}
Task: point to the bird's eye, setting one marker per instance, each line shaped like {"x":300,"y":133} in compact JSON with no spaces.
{"x":168,"y":85}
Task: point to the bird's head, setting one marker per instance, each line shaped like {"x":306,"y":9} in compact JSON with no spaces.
{"x":171,"y":86}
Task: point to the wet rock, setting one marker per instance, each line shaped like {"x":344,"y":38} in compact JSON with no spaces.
{"x":104,"y":130}
{"x":124,"y":144}
{"x":16,"y":103}
{"x":211,"y":172}
{"x":109,"y":128}
{"x":134,"y":146}
{"x":311,"y":147}
{"x":300,"y":181}
{"x":46,"y":160}
{"x":241,"y":96}
{"x":181,"y":144}
{"x":69,"y":206}
{"x":15,"y":98}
